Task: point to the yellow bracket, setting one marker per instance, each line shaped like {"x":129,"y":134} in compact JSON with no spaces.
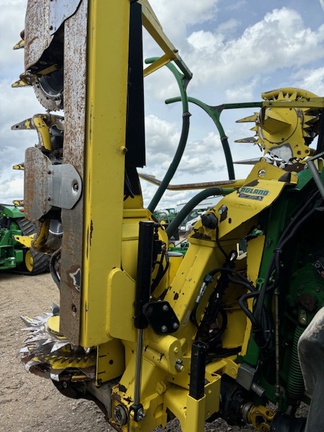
{"x":314,"y":102}
{"x":48,"y":70}
{"x":25,"y":240}
{"x":41,"y":238}
{"x":43,"y":132}
{"x":260,"y":417}
{"x":110,"y":361}
{"x":153,"y":26}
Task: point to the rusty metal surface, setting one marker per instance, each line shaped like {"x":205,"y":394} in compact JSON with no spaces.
{"x":72,"y":220}
{"x":60,"y":10}
{"x":36,"y":198}
{"x":37,"y":31}
{"x":192,"y":186}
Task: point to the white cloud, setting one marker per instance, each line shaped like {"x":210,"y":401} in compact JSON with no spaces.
{"x":312,"y":80}
{"x":175,"y":17}
{"x":16,"y":105}
{"x":279,"y":41}
{"x":11,"y":24}
{"x":162,"y":135}
{"x":11,"y":185}
{"x":228,"y":27}
{"x":237,"y":5}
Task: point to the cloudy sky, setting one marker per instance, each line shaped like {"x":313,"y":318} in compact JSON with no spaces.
{"x":236,"y":49}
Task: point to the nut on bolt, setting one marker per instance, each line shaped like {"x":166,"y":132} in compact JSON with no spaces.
{"x":140,"y":414}
{"x":179,"y":365}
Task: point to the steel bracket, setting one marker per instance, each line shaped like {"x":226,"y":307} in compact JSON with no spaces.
{"x":48,"y":185}
{"x":59,"y":11}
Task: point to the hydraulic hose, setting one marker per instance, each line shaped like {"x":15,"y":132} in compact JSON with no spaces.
{"x":182,"y":83}
{"x":191,"y":204}
{"x":214,"y":114}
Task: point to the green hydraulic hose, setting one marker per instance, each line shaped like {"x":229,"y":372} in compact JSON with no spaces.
{"x":182,"y":83}
{"x":206,"y":193}
{"x":214,"y":114}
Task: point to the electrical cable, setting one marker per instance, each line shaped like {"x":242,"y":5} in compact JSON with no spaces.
{"x":218,"y":243}
{"x":274,"y":270}
{"x":275,"y":262}
{"x":161,"y":270}
{"x":54,"y":258}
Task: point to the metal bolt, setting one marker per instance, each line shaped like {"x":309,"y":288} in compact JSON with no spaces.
{"x":164,"y":329}
{"x":165,"y":308}
{"x":179,"y":365}
{"x":140,"y":414}
{"x":75,"y":186}
{"x":302,"y":317}
{"x":149,"y":310}
{"x":262,"y":173}
{"x":175,"y":325}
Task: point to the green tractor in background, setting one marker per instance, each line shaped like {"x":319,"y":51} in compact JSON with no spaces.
{"x":16,"y":234}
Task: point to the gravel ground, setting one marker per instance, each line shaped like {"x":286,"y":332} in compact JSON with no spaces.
{"x":27,"y":402}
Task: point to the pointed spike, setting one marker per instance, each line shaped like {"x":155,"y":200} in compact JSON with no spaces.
{"x":252,"y":140}
{"x":310,"y":119}
{"x":19,"y":83}
{"x":252,"y":118}
{"x":247,"y":161}
{"x":27,"y":320}
{"x":54,"y":376}
{"x":306,"y":134}
{"x":255,"y":129}
{"x":20,"y":167}
{"x":19,"y":45}
{"x":294,"y":95}
{"x":24,"y":124}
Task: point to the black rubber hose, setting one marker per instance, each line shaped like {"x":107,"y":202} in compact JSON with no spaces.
{"x":55,"y":256}
{"x":174,"y":164}
{"x":206,"y":193}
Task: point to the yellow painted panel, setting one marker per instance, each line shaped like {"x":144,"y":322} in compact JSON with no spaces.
{"x":120,"y":300}
{"x":107,"y":72}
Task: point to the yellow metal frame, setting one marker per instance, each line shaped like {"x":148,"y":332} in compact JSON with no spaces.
{"x":104,"y":167}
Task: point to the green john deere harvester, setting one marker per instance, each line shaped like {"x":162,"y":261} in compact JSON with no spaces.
{"x":15,"y":255}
